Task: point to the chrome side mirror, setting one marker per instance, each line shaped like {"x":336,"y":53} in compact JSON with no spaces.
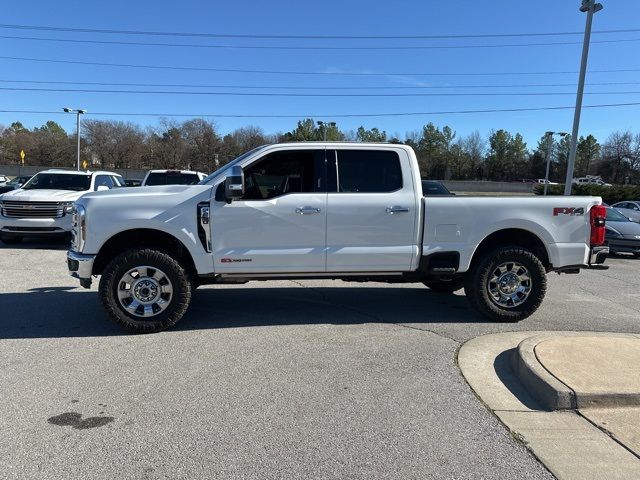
{"x":234,"y":184}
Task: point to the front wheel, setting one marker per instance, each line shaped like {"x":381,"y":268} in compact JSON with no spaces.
{"x":508,"y":285}
{"x":145,"y":290}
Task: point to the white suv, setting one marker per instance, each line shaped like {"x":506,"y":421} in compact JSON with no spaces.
{"x":42,"y":206}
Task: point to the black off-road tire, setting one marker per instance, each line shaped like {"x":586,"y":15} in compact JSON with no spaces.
{"x":477,"y":290}
{"x":445,"y":286}
{"x":120,"y":265}
{"x":10,"y":239}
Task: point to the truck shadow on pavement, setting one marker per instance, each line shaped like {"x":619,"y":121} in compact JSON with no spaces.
{"x":70,"y":312}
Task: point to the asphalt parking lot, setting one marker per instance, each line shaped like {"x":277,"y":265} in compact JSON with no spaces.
{"x":286,"y":379}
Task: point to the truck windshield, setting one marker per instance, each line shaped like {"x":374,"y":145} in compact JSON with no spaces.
{"x":615,"y":216}
{"x":172,"y":178}
{"x":58,"y":181}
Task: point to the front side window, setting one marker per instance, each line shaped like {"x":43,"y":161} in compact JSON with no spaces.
{"x":281,"y":173}
{"x":103,"y":181}
{"x":59,"y":181}
{"x":368,"y":171}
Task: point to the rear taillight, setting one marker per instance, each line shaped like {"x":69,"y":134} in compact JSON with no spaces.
{"x":598,"y":216}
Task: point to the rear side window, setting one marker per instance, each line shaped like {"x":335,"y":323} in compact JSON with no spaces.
{"x":368,"y":171}
{"x":172,"y":178}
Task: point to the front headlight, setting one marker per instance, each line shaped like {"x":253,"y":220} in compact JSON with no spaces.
{"x":79,"y":232}
{"x":67,"y":207}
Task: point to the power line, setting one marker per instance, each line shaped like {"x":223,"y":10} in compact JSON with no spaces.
{"x":281,"y":94}
{"x":324,"y":115}
{"x":318,"y":87}
{"x":298,"y":47}
{"x":293,"y":72}
{"x":300,"y":37}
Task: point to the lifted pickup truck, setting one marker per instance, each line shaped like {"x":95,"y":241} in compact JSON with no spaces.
{"x":325,"y":210}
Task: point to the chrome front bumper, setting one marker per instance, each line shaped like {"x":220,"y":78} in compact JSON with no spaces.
{"x":80,"y":266}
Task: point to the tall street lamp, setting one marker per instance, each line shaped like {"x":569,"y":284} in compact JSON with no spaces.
{"x":78,"y":112}
{"x":549,"y":136}
{"x":590,"y":7}
{"x":324,"y":125}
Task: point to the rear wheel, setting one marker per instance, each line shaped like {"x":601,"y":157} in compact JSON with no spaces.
{"x":507,"y":285}
{"x":145,"y":290}
{"x":445,"y":286}
{"x":10,"y":239}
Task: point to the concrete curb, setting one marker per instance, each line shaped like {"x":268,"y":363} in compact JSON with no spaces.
{"x":550,"y":392}
{"x":553,"y":394}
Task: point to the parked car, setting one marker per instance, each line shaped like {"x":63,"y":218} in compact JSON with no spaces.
{"x":630,"y":209}
{"x":434,"y":188}
{"x":42,"y":206}
{"x":133,"y":182}
{"x":3,"y":179}
{"x":622,"y":235}
{"x":14,"y":184}
{"x":172,"y":177}
{"x":542,"y":181}
{"x":590,"y":180}
{"x":350,"y":211}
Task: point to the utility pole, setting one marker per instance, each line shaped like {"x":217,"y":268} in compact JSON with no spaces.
{"x":548,"y":156}
{"x":78,"y":112}
{"x":323,"y":125}
{"x":590,"y":7}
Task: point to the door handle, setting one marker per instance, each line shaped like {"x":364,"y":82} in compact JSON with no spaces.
{"x":397,"y":209}
{"x":307,"y":210}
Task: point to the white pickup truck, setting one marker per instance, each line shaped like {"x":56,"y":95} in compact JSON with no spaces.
{"x":345,"y":211}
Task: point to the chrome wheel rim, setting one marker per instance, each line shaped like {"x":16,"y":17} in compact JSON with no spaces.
{"x":509,"y":284}
{"x":145,"y":291}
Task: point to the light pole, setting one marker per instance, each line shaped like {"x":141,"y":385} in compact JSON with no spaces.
{"x":323,"y":125}
{"x":78,"y":112}
{"x":590,"y":7}
{"x":549,"y":145}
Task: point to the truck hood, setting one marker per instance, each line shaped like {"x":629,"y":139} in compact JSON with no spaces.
{"x":146,"y":192}
{"x":43,"y":195}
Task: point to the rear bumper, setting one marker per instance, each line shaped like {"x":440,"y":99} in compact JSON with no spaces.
{"x":598,"y":255}
{"x":80,"y":266}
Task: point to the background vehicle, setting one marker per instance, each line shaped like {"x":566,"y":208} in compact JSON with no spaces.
{"x":42,"y":206}
{"x":630,"y":209}
{"x":14,"y":184}
{"x":590,"y":180}
{"x":622,"y":235}
{"x":346,"y":211}
{"x":3,"y":179}
{"x":434,"y":188}
{"x":133,"y":182}
{"x":172,"y":177}
{"x":542,"y":181}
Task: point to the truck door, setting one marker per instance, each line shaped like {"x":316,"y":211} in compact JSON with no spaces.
{"x":372,"y":211}
{"x":280,"y":223}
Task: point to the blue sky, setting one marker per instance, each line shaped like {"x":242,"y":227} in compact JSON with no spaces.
{"x":327,"y":18}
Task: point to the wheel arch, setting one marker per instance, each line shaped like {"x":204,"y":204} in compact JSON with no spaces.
{"x":143,"y":238}
{"x":517,"y":237}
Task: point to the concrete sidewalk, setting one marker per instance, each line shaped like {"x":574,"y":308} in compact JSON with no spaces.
{"x":572,"y":398}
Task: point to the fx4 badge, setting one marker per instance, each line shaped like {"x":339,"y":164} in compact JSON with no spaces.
{"x":568,"y":211}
